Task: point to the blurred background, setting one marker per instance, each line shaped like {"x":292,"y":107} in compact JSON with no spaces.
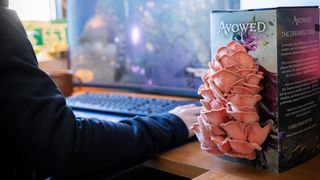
{"x":46,"y":24}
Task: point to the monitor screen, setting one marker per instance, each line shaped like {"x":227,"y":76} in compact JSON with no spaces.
{"x":150,"y":45}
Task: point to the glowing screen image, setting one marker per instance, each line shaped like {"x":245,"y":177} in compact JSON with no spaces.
{"x":163,"y":43}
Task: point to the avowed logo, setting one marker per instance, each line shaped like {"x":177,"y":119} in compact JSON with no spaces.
{"x":300,"y":20}
{"x":242,"y":27}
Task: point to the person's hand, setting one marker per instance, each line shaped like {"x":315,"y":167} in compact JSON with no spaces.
{"x":188,"y":114}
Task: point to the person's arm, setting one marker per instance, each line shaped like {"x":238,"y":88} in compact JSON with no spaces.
{"x":43,"y":134}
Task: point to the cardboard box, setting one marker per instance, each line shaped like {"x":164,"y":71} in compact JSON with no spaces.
{"x":285,"y":44}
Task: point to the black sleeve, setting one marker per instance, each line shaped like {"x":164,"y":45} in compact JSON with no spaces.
{"x":41,"y":132}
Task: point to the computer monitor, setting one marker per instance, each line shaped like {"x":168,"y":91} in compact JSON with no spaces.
{"x":159,"y":46}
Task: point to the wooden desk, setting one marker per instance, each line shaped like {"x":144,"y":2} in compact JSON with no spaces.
{"x":190,"y":161}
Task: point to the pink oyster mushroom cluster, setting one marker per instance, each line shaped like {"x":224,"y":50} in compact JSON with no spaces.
{"x":229,"y":122}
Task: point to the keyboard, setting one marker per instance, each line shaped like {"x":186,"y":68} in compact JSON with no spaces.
{"x":123,"y":104}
